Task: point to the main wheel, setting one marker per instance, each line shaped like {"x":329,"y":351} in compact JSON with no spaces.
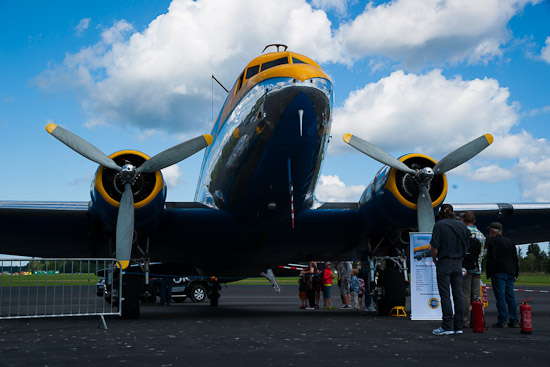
{"x":394,"y":289}
{"x":130,"y":296}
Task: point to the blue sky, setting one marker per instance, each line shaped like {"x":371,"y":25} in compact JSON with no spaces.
{"x":410,"y":76}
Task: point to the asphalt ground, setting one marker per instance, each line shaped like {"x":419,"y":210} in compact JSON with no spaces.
{"x":253,"y":325}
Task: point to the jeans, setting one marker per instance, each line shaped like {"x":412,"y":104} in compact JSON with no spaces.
{"x":449,"y":277}
{"x":503,"y":288}
{"x":470,"y":288}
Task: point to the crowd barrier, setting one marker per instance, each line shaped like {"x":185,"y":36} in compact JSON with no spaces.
{"x":38,"y":288}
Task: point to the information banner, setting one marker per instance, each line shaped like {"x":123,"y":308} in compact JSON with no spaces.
{"x":425,"y":300}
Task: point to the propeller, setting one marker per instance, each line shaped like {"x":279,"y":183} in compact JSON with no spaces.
{"x":424,"y":176}
{"x":128,"y":174}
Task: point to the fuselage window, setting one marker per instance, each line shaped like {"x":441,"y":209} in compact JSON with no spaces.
{"x":253,"y":70}
{"x":297,"y":61}
{"x":273,"y":63}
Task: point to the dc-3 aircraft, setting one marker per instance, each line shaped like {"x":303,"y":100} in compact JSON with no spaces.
{"x":254,"y":206}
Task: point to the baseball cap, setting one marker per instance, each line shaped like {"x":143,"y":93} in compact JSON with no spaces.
{"x":496,"y":225}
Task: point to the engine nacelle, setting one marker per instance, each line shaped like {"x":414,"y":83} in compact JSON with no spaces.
{"x":390,"y":200}
{"x":149,"y":190}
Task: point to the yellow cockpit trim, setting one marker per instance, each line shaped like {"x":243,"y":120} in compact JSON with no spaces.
{"x":391,"y":184}
{"x":305,"y":70}
{"x":98,"y":184}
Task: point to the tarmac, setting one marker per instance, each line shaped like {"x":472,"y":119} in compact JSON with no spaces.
{"x":253,"y":325}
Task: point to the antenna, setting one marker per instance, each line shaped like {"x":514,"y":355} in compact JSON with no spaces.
{"x":278,"y":45}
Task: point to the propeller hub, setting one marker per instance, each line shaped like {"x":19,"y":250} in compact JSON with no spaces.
{"x":425,"y":175}
{"x":128,"y":173}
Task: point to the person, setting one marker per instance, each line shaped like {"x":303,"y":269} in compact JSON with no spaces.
{"x":302,"y":289}
{"x":448,"y":246}
{"x":318,"y":282}
{"x":310,"y":286}
{"x":327,"y":286}
{"x":166,"y":291}
{"x":354,"y":289}
{"x":502,"y":269}
{"x":364,"y":274}
{"x":362,"y":288}
{"x":471,"y":282}
{"x":344,"y":279}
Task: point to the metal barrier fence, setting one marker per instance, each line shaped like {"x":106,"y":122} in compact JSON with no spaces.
{"x":37,"y":288}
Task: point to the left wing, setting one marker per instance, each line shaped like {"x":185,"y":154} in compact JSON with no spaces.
{"x":45,"y":229}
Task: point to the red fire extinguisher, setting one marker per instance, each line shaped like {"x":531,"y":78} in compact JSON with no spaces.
{"x":478,"y":322}
{"x":526,"y":323}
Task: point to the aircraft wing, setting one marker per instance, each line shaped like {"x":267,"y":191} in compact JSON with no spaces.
{"x":523,"y":222}
{"x":45,"y":229}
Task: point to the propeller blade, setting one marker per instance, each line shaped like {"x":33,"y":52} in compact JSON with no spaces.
{"x":175,"y":154}
{"x":463,"y":154}
{"x":81,"y":146}
{"x":125,"y":227}
{"x":425,"y":211}
{"x":376,"y":153}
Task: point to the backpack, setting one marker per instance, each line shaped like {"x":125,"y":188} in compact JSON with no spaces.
{"x":471,"y":260}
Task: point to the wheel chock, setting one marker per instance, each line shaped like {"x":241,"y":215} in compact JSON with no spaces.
{"x":398,"y":311}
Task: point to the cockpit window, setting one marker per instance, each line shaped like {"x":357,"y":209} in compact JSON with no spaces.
{"x":273,"y":63}
{"x":239,"y":83}
{"x":251,"y":71}
{"x":297,"y":61}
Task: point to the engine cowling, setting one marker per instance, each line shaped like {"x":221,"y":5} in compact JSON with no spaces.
{"x":390,"y":200}
{"x":149,"y":190}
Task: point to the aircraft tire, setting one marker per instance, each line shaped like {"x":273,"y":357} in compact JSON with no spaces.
{"x":130,"y":294}
{"x":393,"y":283}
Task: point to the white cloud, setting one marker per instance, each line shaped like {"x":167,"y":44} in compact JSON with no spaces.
{"x":172,"y":176}
{"x":545,"y":53}
{"x":161,"y":77}
{"x":82,"y":26}
{"x":415,"y":31}
{"x":427,"y":113}
{"x":331,"y":189}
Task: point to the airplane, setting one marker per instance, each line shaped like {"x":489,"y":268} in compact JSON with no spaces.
{"x":254,"y":207}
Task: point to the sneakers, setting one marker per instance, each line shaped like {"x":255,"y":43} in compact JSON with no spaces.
{"x":513,"y":324}
{"x":459,"y":332}
{"x":498,"y":326}
{"x":370,"y":309}
{"x":310,"y":308}
{"x":441,"y":331}
{"x":344,"y":306}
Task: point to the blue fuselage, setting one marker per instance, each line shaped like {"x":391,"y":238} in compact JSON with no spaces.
{"x":267,"y":153}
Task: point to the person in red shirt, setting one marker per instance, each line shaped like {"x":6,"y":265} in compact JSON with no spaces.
{"x":327,"y":282}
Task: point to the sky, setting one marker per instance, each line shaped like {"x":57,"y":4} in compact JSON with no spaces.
{"x":411,"y":76}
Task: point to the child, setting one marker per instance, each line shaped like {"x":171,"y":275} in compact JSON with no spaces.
{"x":302,"y":289}
{"x":327,"y":282}
{"x":361,"y":292}
{"x":354,"y":289}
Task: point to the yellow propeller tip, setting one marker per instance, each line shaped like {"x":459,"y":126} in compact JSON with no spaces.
{"x":51,"y":127}
{"x":123,"y":264}
{"x":489,"y":138}
{"x":347,"y":137}
{"x":209,"y":139}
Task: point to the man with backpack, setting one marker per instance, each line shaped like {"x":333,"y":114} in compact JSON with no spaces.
{"x":471,"y":282}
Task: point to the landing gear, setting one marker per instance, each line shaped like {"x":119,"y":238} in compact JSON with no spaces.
{"x":214,"y":292}
{"x":130,"y":296}
{"x":392,"y":287}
